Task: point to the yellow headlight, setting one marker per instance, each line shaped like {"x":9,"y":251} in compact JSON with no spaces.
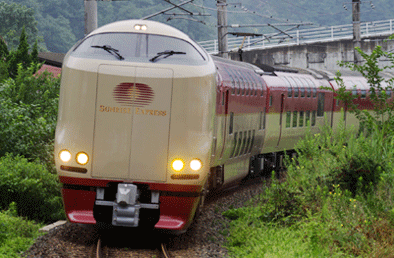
{"x":177,"y":165}
{"x":140,"y":27}
{"x":82,"y":158}
{"x":65,"y":155}
{"x":195,"y":164}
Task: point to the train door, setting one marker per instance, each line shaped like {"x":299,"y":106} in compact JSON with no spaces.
{"x":224,"y":102}
{"x":282,"y":103}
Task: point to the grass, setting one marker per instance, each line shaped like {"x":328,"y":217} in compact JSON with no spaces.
{"x":16,"y":233}
{"x":270,"y":240}
{"x":337,"y":201}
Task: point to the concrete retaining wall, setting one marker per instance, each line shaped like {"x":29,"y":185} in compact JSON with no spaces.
{"x":324,"y":55}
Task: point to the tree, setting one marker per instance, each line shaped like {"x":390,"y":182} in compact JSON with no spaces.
{"x":34,"y":53}
{"x":383,"y":118}
{"x":3,"y":64}
{"x":13,"y":17}
{"x":3,"y":49}
{"x":21,"y":55}
{"x":3,"y":70}
{"x":57,"y":33}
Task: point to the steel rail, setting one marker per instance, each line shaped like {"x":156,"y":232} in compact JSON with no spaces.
{"x":164,"y":250}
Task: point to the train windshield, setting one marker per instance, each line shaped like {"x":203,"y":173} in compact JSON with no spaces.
{"x":137,"y":47}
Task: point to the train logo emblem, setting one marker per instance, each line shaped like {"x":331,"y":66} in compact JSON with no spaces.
{"x":133,"y":94}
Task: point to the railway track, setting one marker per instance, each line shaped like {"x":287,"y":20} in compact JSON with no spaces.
{"x":106,"y":248}
{"x":202,"y":240}
{"x":165,"y":250}
{"x":100,"y":250}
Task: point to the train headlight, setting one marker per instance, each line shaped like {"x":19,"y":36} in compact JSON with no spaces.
{"x":65,"y":155}
{"x":82,"y":158}
{"x":196,"y":164}
{"x":177,"y":165}
{"x":140,"y":27}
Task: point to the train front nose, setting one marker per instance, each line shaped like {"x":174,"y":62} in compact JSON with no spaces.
{"x":132,"y":123}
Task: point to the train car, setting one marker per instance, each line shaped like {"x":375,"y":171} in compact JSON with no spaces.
{"x":138,"y":125}
{"x":149,"y":122}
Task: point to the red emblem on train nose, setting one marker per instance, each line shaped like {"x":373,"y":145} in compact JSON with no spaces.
{"x":133,"y":94}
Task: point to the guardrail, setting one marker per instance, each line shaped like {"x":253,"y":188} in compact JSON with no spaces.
{"x":304,"y":36}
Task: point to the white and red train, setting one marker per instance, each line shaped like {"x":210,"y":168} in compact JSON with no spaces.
{"x":148,"y":122}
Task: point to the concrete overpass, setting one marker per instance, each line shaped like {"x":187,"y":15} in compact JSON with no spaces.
{"x":318,"y":48}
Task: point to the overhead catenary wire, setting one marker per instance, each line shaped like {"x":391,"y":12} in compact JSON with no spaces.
{"x":241,"y":12}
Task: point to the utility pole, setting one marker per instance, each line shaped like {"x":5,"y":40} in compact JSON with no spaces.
{"x":222,"y":28}
{"x":90,"y":16}
{"x":356,"y":29}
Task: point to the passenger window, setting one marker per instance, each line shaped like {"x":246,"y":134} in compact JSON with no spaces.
{"x":261,"y":120}
{"x":320,"y":104}
{"x":302,"y":92}
{"x":314,"y":90}
{"x":271,"y":101}
{"x":288,"y":119}
{"x":289,"y":92}
{"x":289,"y":88}
{"x":308,"y":90}
{"x":354,"y":91}
{"x":234,"y":145}
{"x":231,"y":126}
{"x":307,"y":117}
{"x":238,"y":144}
{"x":301,"y":120}
{"x":313,"y":118}
{"x":306,"y":87}
{"x":296,"y":90}
{"x":294,"y":118}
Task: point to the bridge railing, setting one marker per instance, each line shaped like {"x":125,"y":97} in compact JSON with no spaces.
{"x":304,"y":36}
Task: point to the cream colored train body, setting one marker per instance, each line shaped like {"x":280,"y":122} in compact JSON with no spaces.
{"x":148,"y":122}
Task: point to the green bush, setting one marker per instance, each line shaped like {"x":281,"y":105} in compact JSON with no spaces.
{"x":35,"y":191}
{"x":354,"y":163}
{"x":28,"y":113}
{"x":16,"y":234}
{"x":338,"y":196}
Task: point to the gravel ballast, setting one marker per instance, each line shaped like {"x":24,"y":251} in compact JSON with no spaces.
{"x":205,"y":238}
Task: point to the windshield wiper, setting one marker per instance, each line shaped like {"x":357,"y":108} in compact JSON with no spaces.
{"x":166,"y":54}
{"x":110,"y":50}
